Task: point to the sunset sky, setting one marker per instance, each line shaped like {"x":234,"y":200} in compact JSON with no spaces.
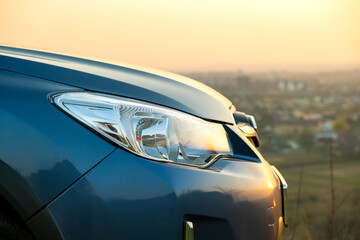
{"x":192,"y":35}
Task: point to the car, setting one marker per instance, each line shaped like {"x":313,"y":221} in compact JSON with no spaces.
{"x":94,"y":149}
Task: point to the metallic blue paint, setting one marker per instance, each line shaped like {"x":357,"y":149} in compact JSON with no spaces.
{"x":127,"y":197}
{"x":158,"y":87}
{"x":43,"y":145}
{"x":68,"y":182}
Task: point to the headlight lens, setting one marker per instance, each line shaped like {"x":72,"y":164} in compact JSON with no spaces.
{"x":148,"y":130}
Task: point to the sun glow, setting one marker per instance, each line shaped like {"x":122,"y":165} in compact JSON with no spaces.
{"x":190,"y":35}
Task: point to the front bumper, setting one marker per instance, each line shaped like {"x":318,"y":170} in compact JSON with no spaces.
{"x":127,"y":197}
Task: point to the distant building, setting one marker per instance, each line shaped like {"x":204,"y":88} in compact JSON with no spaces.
{"x":291,"y":85}
{"x":296,"y":126}
{"x":327,"y":134}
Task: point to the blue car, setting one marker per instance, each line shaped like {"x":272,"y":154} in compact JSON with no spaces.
{"x":97,"y":150}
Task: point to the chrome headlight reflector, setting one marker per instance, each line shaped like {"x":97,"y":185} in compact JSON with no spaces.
{"x":149,"y":130}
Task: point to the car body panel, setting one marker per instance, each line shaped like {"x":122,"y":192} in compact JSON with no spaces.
{"x":43,"y":226}
{"x":43,"y":145}
{"x":67,"y":182}
{"x":152,"y":200}
{"x":17,"y":191}
{"x":158,"y":87}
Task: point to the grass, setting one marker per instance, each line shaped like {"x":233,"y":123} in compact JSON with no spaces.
{"x":314,"y":211}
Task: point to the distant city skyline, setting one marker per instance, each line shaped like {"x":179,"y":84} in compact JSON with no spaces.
{"x":305,"y":68}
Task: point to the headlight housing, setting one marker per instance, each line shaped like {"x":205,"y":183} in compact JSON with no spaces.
{"x":149,"y":130}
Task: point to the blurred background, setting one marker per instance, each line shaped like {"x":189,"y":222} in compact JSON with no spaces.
{"x":294,"y":65}
{"x":306,"y":121}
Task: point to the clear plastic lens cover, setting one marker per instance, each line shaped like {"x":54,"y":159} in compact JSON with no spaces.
{"x":149,"y":130}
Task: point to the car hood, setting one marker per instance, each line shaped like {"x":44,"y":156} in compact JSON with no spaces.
{"x":163,"y":88}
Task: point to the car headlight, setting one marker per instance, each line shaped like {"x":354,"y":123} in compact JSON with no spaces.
{"x":149,"y":130}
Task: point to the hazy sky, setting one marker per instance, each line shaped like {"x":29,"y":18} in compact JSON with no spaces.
{"x":191,"y":35}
